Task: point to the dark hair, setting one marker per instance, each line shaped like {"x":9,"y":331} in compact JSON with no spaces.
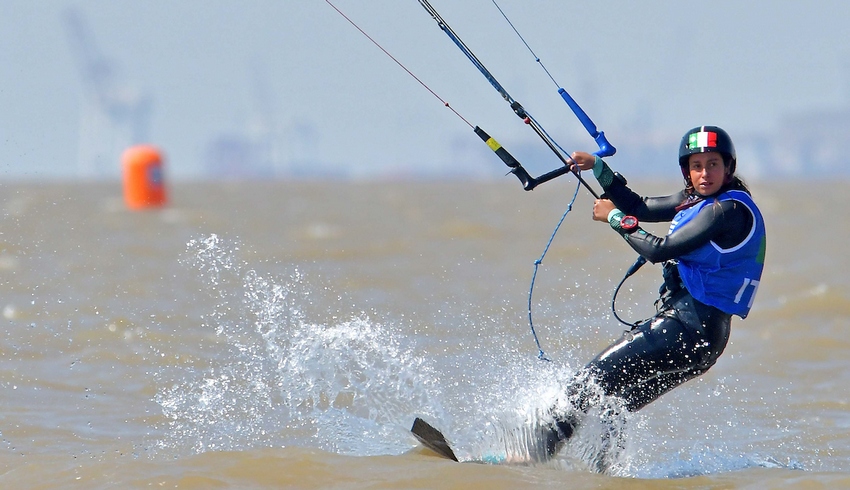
{"x":735,"y":184}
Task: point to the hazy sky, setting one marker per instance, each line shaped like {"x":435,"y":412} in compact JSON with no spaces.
{"x":212,"y":68}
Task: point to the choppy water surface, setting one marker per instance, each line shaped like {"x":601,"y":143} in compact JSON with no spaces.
{"x":285,"y":335}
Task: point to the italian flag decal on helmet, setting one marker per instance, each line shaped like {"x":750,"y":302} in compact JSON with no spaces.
{"x":702,"y":139}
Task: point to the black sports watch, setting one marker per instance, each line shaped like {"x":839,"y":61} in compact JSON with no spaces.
{"x":628,"y":224}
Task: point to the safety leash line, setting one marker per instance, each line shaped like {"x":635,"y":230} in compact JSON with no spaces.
{"x":540,"y":354}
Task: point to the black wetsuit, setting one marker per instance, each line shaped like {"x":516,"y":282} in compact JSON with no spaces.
{"x":685,"y":337}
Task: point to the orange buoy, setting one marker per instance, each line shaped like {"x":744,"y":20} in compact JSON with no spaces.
{"x":144,"y":185}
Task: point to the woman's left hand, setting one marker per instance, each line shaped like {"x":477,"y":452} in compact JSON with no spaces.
{"x":601,"y":209}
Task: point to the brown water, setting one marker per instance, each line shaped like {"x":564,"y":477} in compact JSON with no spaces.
{"x":285,"y":335}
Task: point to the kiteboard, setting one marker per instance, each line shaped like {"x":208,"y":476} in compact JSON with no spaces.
{"x":538,"y":446}
{"x":432,"y":438}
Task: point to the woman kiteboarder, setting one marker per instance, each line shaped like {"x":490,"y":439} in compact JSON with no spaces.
{"x":712,"y":256}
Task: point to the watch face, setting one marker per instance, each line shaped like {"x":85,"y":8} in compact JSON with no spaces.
{"x":628,"y":223}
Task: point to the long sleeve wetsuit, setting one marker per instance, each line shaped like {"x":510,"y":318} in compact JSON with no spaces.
{"x":685,"y":337}
{"x":727,"y":224}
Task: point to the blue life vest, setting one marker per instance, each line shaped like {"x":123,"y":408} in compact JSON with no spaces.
{"x":724,"y":278}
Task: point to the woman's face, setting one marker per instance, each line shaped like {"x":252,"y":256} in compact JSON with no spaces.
{"x":707,"y":172}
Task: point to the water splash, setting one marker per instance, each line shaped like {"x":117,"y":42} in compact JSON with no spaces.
{"x":280,"y":379}
{"x":274,"y":376}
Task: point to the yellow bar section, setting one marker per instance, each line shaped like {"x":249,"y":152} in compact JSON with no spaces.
{"x":493,"y":144}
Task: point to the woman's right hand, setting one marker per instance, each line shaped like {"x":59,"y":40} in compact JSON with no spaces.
{"x":583,"y":160}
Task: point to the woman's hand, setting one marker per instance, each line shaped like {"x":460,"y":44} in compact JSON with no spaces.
{"x":601,"y":209}
{"x":583,"y":160}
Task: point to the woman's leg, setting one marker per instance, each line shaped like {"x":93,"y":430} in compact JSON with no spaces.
{"x":680,"y":343}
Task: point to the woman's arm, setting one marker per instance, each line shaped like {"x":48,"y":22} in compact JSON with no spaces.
{"x":648,"y":209}
{"x":727,"y":223}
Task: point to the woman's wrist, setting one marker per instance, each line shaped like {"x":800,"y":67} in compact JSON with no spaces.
{"x":603,"y":173}
{"x":614,"y":218}
{"x":597,"y":166}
